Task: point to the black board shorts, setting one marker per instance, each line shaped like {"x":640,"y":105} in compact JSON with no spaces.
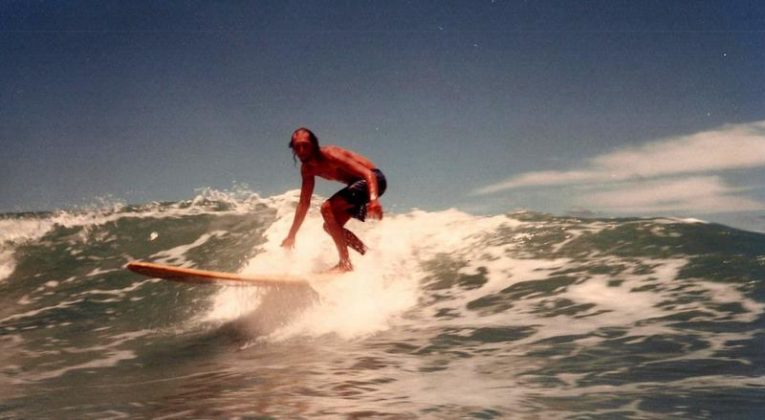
{"x":357,"y":195}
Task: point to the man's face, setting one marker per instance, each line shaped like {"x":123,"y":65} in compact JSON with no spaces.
{"x":302,"y":146}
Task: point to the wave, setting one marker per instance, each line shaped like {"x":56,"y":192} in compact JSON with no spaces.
{"x":581,"y":303}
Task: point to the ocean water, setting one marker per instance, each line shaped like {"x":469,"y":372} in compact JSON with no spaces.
{"x":449,"y":315}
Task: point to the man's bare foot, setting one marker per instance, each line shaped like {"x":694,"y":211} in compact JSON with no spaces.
{"x":341,"y":267}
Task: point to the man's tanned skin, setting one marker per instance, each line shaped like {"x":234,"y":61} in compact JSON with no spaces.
{"x":335,"y":164}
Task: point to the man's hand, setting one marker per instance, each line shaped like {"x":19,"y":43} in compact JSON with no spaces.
{"x":374,"y":210}
{"x":289,"y":242}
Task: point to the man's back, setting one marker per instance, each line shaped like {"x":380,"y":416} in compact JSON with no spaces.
{"x":338,"y":164}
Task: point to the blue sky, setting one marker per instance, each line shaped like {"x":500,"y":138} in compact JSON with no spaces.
{"x":609,"y":107}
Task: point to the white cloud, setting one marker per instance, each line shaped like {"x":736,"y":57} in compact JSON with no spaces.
{"x":730,"y":147}
{"x":697,"y":195}
{"x":679,"y":174}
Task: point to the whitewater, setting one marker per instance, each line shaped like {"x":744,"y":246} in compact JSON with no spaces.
{"x":449,"y":315}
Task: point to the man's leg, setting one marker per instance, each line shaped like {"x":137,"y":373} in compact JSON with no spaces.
{"x":354,"y":242}
{"x":335,"y":214}
{"x":351,"y":240}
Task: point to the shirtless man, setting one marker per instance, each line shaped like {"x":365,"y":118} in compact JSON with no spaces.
{"x":365,"y":184}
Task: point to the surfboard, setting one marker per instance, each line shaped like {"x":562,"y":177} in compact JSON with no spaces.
{"x":196,"y":276}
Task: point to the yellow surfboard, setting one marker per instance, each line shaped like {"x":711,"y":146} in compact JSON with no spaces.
{"x":195,"y":276}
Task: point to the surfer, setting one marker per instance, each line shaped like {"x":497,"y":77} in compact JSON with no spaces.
{"x":359,"y":199}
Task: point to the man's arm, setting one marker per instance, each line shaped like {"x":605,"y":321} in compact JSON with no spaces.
{"x":374,"y":209}
{"x":306,"y":191}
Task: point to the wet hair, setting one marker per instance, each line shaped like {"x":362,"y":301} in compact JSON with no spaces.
{"x":311,"y":137}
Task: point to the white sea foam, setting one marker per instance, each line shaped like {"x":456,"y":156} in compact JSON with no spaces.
{"x":20,"y":230}
{"x":7,"y":263}
{"x":385,"y":282}
{"x":14,"y":232}
{"x":119,"y":293}
{"x":106,"y":355}
{"x":34,"y":312}
{"x":177,"y":255}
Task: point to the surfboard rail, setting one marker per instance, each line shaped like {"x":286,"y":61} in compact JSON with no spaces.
{"x":198,"y":276}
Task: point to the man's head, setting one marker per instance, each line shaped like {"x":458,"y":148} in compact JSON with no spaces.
{"x":305,"y":145}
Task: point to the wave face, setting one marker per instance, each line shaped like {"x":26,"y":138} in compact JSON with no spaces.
{"x":448,"y":315}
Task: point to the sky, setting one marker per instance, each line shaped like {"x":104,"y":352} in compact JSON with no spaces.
{"x":601,"y":108}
